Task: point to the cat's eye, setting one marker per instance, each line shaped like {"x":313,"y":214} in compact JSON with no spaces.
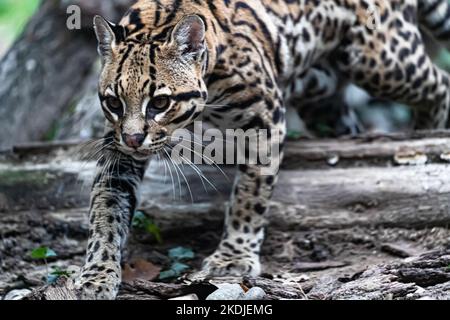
{"x":114,"y":104}
{"x":160,"y":103}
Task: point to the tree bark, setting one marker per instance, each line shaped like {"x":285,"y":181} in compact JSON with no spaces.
{"x":423,"y":277}
{"x":42,"y":73}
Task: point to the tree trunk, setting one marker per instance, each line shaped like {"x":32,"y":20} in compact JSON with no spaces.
{"x":42,"y":73}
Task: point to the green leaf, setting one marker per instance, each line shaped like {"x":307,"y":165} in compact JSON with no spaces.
{"x":59,"y":272}
{"x":155,"y":231}
{"x":181,"y":253}
{"x":56,"y":274}
{"x":51,"y":278}
{"x":141,"y":221}
{"x":168,"y":274}
{"x":42,"y":253}
{"x":179,"y":267}
{"x":176,"y":269}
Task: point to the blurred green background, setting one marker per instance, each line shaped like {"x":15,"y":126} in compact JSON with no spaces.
{"x":14,"y":15}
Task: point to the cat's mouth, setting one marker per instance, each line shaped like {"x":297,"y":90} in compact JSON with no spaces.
{"x":149,"y":151}
{"x":146,"y":152}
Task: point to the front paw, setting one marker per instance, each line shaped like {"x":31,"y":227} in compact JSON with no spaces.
{"x":98,"y":287}
{"x":223,"y":263}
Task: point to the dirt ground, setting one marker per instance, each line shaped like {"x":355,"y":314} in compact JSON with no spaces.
{"x":325,"y":223}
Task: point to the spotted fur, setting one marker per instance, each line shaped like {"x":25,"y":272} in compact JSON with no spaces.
{"x":168,"y":58}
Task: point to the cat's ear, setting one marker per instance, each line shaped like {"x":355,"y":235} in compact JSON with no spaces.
{"x":108,"y":35}
{"x":189,"y":36}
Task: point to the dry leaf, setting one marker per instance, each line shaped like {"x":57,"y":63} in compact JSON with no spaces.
{"x":140,"y":270}
{"x":244,"y":287}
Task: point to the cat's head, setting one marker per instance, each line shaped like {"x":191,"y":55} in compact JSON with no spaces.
{"x":148,"y":89}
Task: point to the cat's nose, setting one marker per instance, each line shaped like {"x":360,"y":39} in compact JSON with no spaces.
{"x":133,"y":140}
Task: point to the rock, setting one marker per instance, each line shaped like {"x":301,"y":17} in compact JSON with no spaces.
{"x":255,"y":293}
{"x":17,"y":294}
{"x":227,"y":291}
{"x":187,"y":297}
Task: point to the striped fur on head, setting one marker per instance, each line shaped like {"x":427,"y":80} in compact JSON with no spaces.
{"x":150,"y":88}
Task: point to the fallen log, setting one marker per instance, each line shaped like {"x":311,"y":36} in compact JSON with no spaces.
{"x":423,"y":277}
{"x":332,"y":222}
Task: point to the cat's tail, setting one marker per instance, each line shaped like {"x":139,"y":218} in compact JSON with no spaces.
{"x":434,"y":17}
